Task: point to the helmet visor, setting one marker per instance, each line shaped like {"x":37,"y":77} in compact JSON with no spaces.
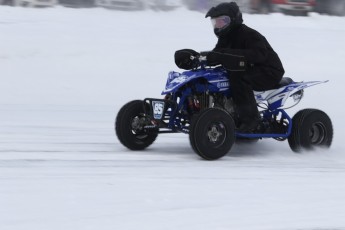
{"x":220,"y":22}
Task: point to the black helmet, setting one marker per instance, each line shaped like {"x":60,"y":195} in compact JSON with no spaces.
{"x":229,"y":9}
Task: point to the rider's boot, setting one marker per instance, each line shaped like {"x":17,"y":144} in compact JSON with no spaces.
{"x":250,"y":126}
{"x":249,"y":119}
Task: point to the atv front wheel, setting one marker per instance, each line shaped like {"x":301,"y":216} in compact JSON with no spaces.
{"x":212,"y":133}
{"x":129,"y":126}
{"x":310,"y":128}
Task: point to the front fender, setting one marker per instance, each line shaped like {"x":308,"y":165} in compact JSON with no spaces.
{"x":215,"y":76}
{"x":177,"y":80}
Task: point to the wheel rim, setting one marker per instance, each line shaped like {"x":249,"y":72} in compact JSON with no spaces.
{"x":137,"y":127}
{"x":317,"y":133}
{"x":216,"y":134}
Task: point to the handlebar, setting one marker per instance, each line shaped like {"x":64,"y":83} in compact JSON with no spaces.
{"x":200,"y":61}
{"x":200,"y":58}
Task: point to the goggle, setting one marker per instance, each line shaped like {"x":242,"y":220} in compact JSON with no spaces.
{"x":220,"y":22}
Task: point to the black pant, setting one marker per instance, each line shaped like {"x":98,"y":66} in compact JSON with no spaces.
{"x":242,"y":85}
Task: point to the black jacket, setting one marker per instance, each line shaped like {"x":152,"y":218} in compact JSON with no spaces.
{"x":246,"y":49}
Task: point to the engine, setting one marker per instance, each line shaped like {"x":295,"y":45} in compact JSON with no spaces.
{"x":199,"y":102}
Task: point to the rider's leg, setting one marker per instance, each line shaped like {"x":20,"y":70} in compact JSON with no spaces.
{"x":243,"y":97}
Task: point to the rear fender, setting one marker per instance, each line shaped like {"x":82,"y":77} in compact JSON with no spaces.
{"x":302,"y":85}
{"x":277,"y":97}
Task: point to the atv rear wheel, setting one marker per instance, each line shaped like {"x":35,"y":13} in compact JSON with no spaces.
{"x":129,"y":126}
{"x":212,"y":133}
{"x":310,"y":128}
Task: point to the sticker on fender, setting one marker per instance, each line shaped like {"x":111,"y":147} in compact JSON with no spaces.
{"x":157,"y":107}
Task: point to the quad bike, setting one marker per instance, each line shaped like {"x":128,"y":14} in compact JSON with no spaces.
{"x":198,"y":102}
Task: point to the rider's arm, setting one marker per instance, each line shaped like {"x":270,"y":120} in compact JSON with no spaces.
{"x":254,"y":52}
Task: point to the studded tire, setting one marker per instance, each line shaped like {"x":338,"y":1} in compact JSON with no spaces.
{"x":311,"y":128}
{"x":212,"y":133}
{"x":129,"y":126}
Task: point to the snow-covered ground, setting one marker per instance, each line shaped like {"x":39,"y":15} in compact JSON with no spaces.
{"x":66,"y":72}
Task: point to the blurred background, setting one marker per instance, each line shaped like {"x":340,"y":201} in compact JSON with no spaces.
{"x":290,"y":7}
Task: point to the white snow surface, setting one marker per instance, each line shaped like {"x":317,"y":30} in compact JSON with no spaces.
{"x":65,"y":73}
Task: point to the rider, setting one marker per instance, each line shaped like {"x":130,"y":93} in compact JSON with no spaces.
{"x":248,"y":58}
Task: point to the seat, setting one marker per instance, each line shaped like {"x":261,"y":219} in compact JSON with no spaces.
{"x":284,"y":81}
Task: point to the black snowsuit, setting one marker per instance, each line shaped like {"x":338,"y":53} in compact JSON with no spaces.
{"x":251,"y":63}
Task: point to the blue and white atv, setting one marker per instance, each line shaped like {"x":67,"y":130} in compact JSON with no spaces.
{"x":198,"y":102}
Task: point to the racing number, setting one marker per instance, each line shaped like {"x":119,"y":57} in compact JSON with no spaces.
{"x":158,"y":107}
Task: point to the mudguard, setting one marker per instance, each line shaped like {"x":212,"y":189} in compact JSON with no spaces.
{"x":277,"y":97}
{"x":217,"y":77}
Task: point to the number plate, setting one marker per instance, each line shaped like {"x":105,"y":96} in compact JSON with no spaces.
{"x":158,"y":109}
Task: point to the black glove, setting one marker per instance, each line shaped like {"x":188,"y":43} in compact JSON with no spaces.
{"x":187,"y":59}
{"x":231,"y":61}
{"x":213,"y":58}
